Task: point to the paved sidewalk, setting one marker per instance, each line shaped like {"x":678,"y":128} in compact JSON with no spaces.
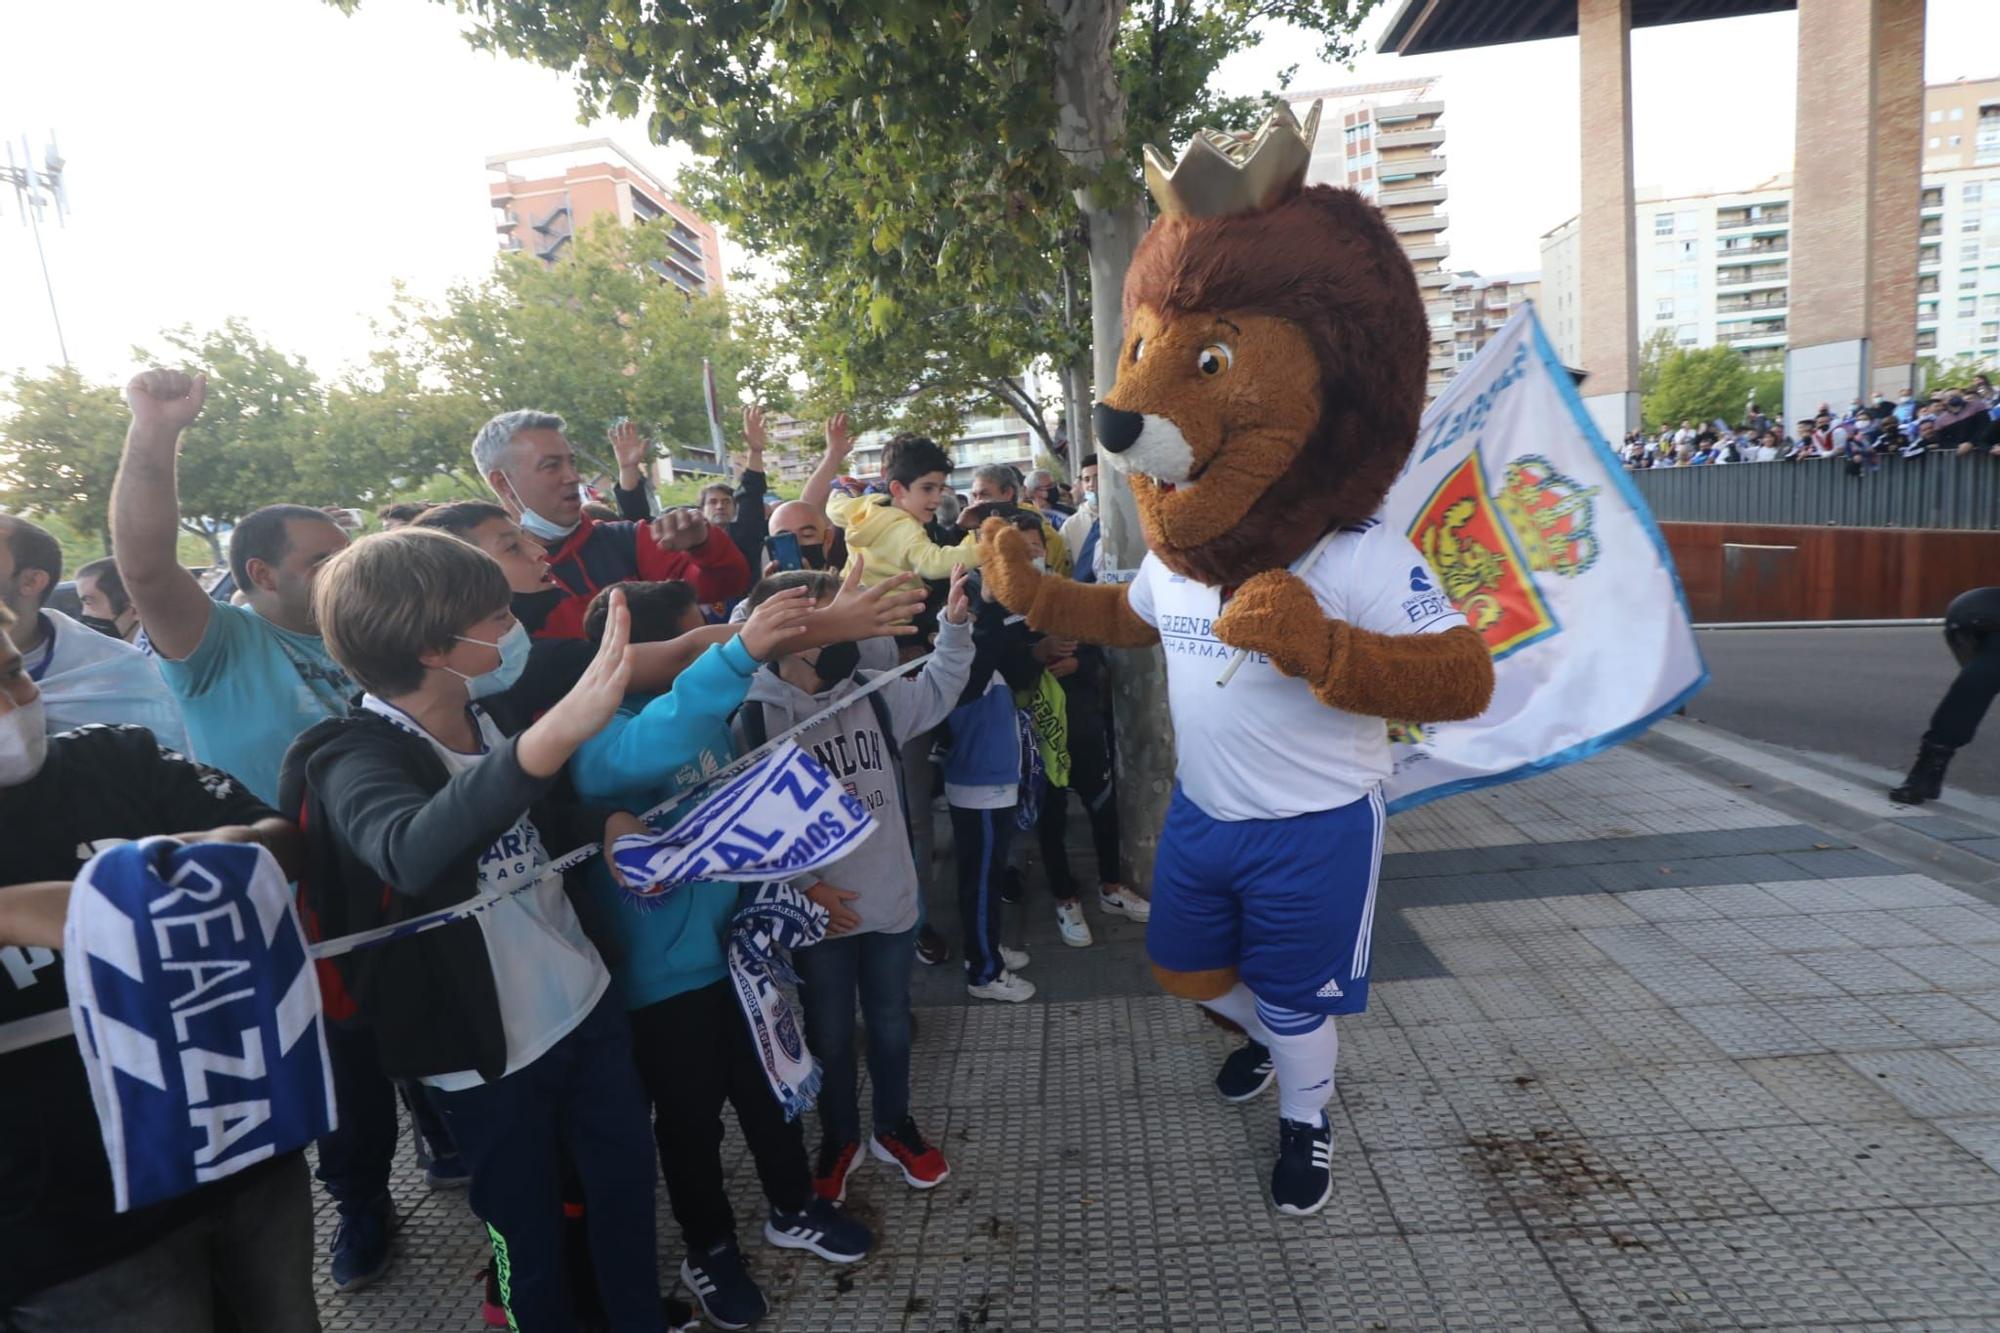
{"x":1647,"y":1050}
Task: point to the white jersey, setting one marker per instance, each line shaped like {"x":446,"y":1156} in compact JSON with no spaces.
{"x":1264,"y":747}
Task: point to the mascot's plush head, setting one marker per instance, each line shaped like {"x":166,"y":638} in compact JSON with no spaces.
{"x":1273,"y":367}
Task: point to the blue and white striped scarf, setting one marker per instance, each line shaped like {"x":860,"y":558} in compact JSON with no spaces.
{"x":197,"y":1012}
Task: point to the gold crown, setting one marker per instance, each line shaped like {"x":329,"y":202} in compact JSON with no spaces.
{"x":1221,"y":173}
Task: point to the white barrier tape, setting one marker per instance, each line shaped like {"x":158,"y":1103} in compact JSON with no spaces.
{"x":570,"y":860}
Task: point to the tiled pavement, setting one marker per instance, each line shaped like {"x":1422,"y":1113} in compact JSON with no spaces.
{"x":1644,"y":1053}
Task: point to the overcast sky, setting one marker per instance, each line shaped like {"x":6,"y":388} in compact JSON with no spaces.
{"x":276,"y":160}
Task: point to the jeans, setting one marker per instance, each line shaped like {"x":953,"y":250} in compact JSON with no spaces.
{"x":1090,"y":779}
{"x":877,"y":967}
{"x":694,"y":1053}
{"x":581,"y":1100}
{"x":1964,"y":705}
{"x":245,"y":1262}
{"x":355,"y":1159}
{"x":979,"y":840}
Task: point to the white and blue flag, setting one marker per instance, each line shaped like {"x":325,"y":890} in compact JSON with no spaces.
{"x":198,"y":1014}
{"x":1536,"y":533}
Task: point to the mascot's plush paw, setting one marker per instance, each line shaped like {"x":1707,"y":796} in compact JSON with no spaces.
{"x":1276,"y":614}
{"x":1005,"y":566}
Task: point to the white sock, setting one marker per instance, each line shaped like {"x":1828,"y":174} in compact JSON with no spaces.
{"x":1304,"y":1049}
{"x":1239,"y":1006}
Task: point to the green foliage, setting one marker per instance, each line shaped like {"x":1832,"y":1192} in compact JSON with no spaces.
{"x":61,"y":445}
{"x":1956,"y":372}
{"x":1698,"y":384}
{"x":898,"y":163}
{"x":1653,"y":354}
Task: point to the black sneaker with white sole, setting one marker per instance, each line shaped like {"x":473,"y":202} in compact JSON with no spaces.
{"x":1302,"y":1181}
{"x":821,"y":1227}
{"x":1247,"y":1072}
{"x":720,"y":1281}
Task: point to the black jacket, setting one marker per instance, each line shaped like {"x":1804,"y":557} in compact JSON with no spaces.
{"x":392,"y":834}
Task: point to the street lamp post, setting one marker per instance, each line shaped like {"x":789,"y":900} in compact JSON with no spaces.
{"x":29,"y":185}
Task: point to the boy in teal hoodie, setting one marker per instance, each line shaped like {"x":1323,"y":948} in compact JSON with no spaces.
{"x":668,"y":960}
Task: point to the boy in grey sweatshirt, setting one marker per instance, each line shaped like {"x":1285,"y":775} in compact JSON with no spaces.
{"x":871,"y":893}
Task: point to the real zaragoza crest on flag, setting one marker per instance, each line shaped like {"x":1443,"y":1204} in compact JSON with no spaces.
{"x":1539,"y":537}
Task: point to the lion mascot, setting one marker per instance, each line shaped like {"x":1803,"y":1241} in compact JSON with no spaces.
{"x":1269,"y":387}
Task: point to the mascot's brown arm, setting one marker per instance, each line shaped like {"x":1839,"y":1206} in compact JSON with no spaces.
{"x":1087,"y":612}
{"x":1410,"y":677}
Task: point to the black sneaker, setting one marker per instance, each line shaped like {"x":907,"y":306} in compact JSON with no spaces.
{"x":821,"y":1227}
{"x":1010,"y":886}
{"x":722,"y":1284}
{"x":931,"y":948}
{"x":1302,"y":1181}
{"x":1247,"y":1072}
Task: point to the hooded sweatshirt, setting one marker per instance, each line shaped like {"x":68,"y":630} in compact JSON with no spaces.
{"x":672,"y":944}
{"x":893,"y":541}
{"x":850,"y":744}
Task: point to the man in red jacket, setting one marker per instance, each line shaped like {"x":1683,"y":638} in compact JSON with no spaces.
{"x":532,"y":471}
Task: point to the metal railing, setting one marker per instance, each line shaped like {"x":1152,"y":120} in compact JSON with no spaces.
{"x":1937,"y":491}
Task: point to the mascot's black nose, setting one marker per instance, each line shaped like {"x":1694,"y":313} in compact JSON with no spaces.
{"x":1116,"y":430}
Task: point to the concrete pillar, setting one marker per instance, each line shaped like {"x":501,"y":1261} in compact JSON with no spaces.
{"x":1608,"y":339}
{"x":1898,"y":186}
{"x":1853,"y":272}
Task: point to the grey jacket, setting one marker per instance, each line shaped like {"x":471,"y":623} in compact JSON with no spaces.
{"x":850,"y":744}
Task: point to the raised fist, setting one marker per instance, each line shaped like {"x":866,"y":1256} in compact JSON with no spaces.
{"x":167,"y":399}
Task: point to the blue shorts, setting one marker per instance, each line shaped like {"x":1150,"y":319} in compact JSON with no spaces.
{"x":1288,"y":903}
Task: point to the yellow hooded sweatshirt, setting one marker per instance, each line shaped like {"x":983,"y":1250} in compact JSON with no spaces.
{"x":893,"y":541}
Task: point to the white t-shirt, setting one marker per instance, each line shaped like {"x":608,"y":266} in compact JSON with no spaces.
{"x":1264,"y":747}
{"x":545,"y":970}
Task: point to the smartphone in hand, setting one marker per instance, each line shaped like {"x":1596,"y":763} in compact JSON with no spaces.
{"x":785,"y":550}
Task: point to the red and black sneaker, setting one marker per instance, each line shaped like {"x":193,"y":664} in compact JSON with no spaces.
{"x":922,"y":1165}
{"x":835,"y":1165}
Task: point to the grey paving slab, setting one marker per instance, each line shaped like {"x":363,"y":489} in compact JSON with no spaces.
{"x":1639,"y":1057}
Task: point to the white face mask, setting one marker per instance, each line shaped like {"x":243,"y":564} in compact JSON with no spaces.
{"x":24,"y":743}
{"x":513,"y":647}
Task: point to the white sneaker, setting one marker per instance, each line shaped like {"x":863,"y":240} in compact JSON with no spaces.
{"x":1075,"y":930}
{"x":1123,"y":902}
{"x":1014,"y":960}
{"x":1006,"y":987}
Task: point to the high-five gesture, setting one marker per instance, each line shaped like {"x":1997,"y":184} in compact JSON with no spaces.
{"x":547,"y":745}
{"x":629,"y":447}
{"x":165,"y":399}
{"x":776,"y":623}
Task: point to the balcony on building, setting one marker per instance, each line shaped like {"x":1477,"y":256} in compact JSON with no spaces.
{"x":1927,"y":283}
{"x":1752,"y":275}
{"x":1422,"y":194}
{"x":1426,"y":136}
{"x":1931,"y":199}
{"x":1931,"y":227}
{"x":1391,"y":169}
{"x":1926,"y":340}
{"x":1400,"y":113}
{"x":1765,"y":332}
{"x":1418,"y":223}
{"x":1738,"y":246}
{"x":1419,"y":253}
{"x":1776,"y":298}
{"x":1436,"y":277}
{"x":1754,"y":217}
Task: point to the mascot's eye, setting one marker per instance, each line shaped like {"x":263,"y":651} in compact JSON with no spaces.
{"x":1138,"y":348}
{"x":1216,"y":358}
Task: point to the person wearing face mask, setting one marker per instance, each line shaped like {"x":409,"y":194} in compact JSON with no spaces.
{"x":1080,"y":532}
{"x":434,"y":792}
{"x":243,"y":1245}
{"x":532,"y":472}
{"x":871,"y":893}
{"x":84,"y":676}
{"x":249,"y":678}
{"x":106,"y":608}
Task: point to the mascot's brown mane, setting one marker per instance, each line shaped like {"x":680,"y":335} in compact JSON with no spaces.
{"x":1325,"y":261}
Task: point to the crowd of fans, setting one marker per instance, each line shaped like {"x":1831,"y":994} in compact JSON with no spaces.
{"x":435,"y":711}
{"x":1863,"y":437}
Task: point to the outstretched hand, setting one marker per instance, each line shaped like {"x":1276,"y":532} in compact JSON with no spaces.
{"x":166,"y":399}
{"x":957,"y":606}
{"x":771,"y":628}
{"x":628,"y":446}
{"x":547,"y":745}
{"x":888,"y":608}
{"x":839,"y":439}
{"x":753,"y":427}
{"x":1006,"y":569}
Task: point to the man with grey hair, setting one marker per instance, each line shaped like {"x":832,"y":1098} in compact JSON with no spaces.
{"x":1041,"y":488}
{"x":999,"y":484}
{"x":532,"y":472}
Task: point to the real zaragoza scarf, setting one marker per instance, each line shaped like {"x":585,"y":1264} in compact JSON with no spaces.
{"x":197,"y":1012}
{"x":776,"y":917}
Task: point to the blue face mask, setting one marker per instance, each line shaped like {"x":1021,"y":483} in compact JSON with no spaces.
{"x":513,"y":648}
{"x":538,"y":527}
